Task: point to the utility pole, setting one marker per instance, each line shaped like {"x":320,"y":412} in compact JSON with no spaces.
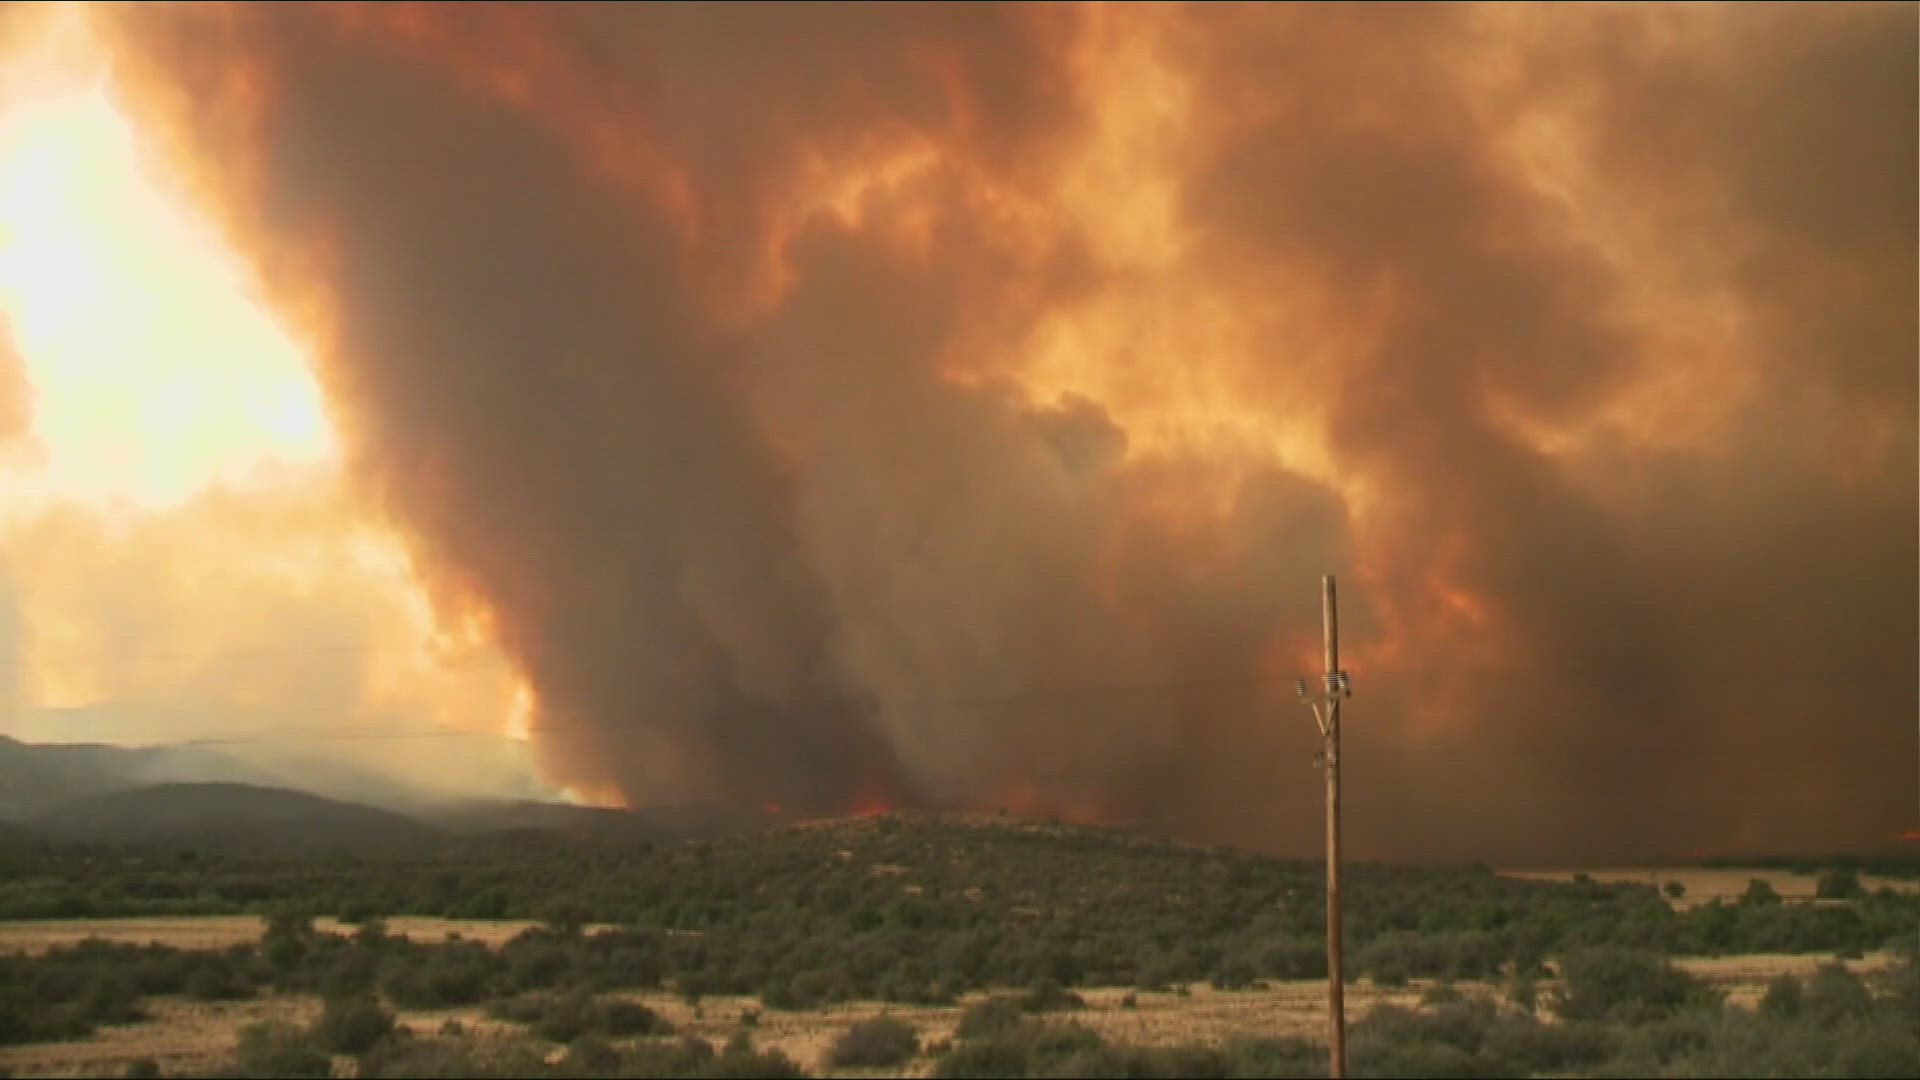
{"x":1337,"y":686}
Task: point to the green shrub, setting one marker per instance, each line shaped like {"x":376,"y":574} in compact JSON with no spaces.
{"x":564,"y":1019}
{"x":142,"y":1069}
{"x":1833,"y":993}
{"x":1784,"y":998}
{"x":1887,"y":1049}
{"x":881,"y":1042}
{"x":1839,"y":884}
{"x":748,"y":1064}
{"x":451,"y":1058}
{"x":1569,"y":1047}
{"x":589,"y":1056}
{"x":988,"y":1016}
{"x":1275,"y":1057}
{"x":622,"y":1019}
{"x":1049,"y":996}
{"x":353,"y":1024}
{"x":1025,"y":1048}
{"x":275,"y":1050}
{"x":217,"y":981}
{"x":1631,"y":987}
{"x":686,"y":1056}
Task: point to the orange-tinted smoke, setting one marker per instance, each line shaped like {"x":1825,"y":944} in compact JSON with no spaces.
{"x":978,"y":393}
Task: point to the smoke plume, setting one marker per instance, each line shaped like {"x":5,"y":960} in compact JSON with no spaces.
{"x":958,"y":404}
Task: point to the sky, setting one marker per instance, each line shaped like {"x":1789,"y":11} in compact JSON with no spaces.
{"x":824,"y":407}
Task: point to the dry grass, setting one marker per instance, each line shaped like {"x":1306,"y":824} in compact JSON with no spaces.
{"x":1745,"y":978}
{"x":1204,"y":1015}
{"x":220,"y":931}
{"x":186,"y":1038}
{"x":191,"y":1038}
{"x":1706,"y":885}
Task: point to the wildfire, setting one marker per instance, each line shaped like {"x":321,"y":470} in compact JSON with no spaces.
{"x":430,"y":329}
{"x":182,"y":498}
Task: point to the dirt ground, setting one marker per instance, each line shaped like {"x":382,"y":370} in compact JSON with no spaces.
{"x":1706,"y":885}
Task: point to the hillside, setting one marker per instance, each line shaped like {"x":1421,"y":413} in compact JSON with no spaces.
{"x":1123,"y":906}
{"x":230,"y":812}
{"x":36,"y":776}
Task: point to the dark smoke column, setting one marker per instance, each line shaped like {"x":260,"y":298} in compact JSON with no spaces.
{"x":526,"y":392}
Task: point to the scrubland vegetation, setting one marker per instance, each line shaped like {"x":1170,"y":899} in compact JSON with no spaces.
{"x":1002,"y":929}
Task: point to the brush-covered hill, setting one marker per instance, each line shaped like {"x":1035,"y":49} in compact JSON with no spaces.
{"x":911,"y":907}
{"x":228,"y":813}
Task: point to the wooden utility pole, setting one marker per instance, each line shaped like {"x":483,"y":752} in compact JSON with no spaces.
{"x":1337,"y":687}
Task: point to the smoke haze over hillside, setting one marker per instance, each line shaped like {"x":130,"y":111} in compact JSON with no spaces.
{"x":829,"y":406}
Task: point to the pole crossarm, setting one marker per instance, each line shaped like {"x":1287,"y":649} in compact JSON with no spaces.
{"x":1339,"y":686}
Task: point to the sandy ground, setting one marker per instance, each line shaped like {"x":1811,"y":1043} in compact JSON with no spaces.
{"x":1704,"y":886}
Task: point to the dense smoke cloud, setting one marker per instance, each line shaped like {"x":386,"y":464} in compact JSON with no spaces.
{"x":959,"y":404}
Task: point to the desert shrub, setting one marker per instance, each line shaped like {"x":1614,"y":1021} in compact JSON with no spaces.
{"x":1025,"y":1048}
{"x":1839,"y":884}
{"x":1463,"y":1036}
{"x":568,"y":1017}
{"x":1569,"y":1047}
{"x":25,"y":1018}
{"x":1629,"y":987}
{"x":277,"y":1050}
{"x":1833,"y":993}
{"x":1901,"y":980}
{"x":686,"y":1056}
{"x":1426,"y":1059}
{"x":142,"y":1069}
{"x":1887,"y":1049}
{"x":1523,"y":991}
{"x":988,"y":1015}
{"x":521,"y":1009}
{"x":358,"y":912}
{"x":1759,"y":893}
{"x":589,"y":1056}
{"x":739,"y":1059}
{"x":881,"y":1042}
{"x":450,"y":1058}
{"x":564,"y":1019}
{"x":1274,"y":1057}
{"x":1235,"y":973}
{"x":1050,"y":996}
{"x":1784,"y":998}
{"x":353,"y":1024}
{"x":1676,"y":889}
{"x":449,"y":976}
{"x":216,"y":980}
{"x":621,"y":1019}
{"x":1293,"y":956}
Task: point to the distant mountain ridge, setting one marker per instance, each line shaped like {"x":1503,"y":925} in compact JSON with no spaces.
{"x":222,"y":810}
{"x":34,"y":777}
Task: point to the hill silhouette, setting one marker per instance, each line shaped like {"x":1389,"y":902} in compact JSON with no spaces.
{"x":233,"y":812}
{"x":37,"y":776}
